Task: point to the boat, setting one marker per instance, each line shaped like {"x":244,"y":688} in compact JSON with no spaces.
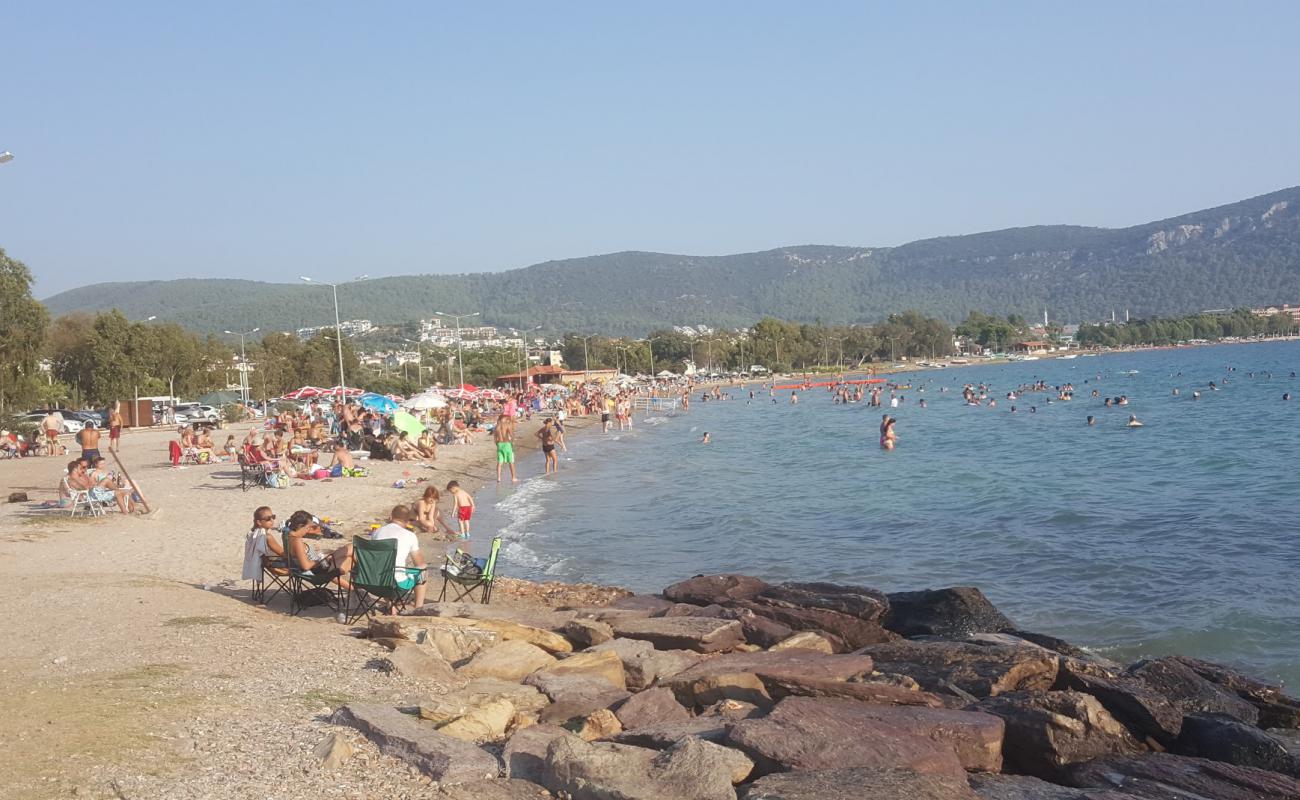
{"x":1071,"y":355}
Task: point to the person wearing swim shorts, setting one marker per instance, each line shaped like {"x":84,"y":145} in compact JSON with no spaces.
{"x":115,"y":425}
{"x":464,"y":506}
{"x":504,"y":434}
{"x":547,"y":437}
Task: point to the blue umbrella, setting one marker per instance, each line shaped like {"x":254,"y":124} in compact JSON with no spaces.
{"x":377,"y":403}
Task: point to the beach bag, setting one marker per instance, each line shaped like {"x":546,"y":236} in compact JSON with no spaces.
{"x":275,"y":480}
{"x":320,"y":596}
{"x":320,"y":473}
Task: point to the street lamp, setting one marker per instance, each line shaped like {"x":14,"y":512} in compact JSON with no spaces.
{"x":243,"y":361}
{"x":523,"y":352}
{"x":585,"y":368}
{"x":650,"y":343}
{"x":338,"y":327}
{"x":460,"y":362}
{"x":419,"y":348}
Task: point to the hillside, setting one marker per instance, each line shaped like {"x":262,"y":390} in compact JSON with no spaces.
{"x":1246,"y":253}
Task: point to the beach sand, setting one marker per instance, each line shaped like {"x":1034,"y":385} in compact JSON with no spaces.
{"x":135,"y":664}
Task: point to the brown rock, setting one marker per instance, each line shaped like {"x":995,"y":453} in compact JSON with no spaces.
{"x":384,"y":629}
{"x":587,"y":632}
{"x":510,"y":661}
{"x":1048,"y":732}
{"x":953,"y":612}
{"x":643,"y":664}
{"x":1146,"y":712}
{"x":534,"y":618}
{"x":1276,"y":708}
{"x":1161,"y":776}
{"x":642,"y":602}
{"x":333,"y":751}
{"x":861,"y":783}
{"x":661,"y":735}
{"x":863,"y":691}
{"x":1223,"y":738}
{"x":494,"y":790}
{"x":525,"y":754}
{"x":599,"y":724}
{"x":483,"y":723}
{"x":402,"y":736}
{"x":804,"y":640}
{"x":761,"y":667}
{"x":1026,"y":787}
{"x":604,"y":665}
{"x":701,"y":634}
{"x":1189,"y":692}
{"x":651,"y":707}
{"x":980,"y":670}
{"x":703,"y":590}
{"x":854,"y":601}
{"x":804,"y":733}
{"x":844,"y":631}
{"x":605,"y":771}
{"x":414,"y":661}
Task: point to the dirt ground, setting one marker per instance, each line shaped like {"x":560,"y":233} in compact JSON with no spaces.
{"x":134,"y":663}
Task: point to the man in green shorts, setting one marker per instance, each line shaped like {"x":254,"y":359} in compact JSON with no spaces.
{"x":504,"y":434}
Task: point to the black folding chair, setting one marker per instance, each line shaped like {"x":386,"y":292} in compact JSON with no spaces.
{"x":466,"y":583}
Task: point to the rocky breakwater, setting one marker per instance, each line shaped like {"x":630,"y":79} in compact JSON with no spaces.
{"x":726,"y":687}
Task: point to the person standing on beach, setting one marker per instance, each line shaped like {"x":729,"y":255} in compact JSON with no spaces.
{"x":88,"y":438}
{"x":464,"y":506}
{"x":504,"y":435}
{"x":547,"y":436}
{"x":114,"y":425}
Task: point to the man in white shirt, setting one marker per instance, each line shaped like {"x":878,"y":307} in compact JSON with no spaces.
{"x":408,"y":547}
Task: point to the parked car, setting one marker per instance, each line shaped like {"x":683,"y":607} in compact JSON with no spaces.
{"x":85,"y":415}
{"x":69,"y":425}
{"x":189,"y":413}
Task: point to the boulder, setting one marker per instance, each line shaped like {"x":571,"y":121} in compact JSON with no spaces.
{"x":605,"y":665}
{"x":606,"y":771}
{"x":455,"y":643}
{"x":482,"y":723}
{"x":508,"y":630}
{"x":661,"y":735}
{"x":494,"y":790}
{"x":1223,"y":738}
{"x":762,"y":631}
{"x":598,"y":724}
{"x":485,"y":690}
{"x":1276,"y":708}
{"x":761,"y":667}
{"x":860,"y":783}
{"x":414,"y":661}
{"x":691,"y":610}
{"x":701,"y":634}
{"x":525,"y":754}
{"x":703,"y":590}
{"x":1162,"y":776}
{"x":1025,"y":787}
{"x":534,"y":618}
{"x":978,"y":670}
{"x":1146,"y":712}
{"x":573,"y":708}
{"x":333,"y":751}
{"x":844,"y":631}
{"x":1047,"y":732}
{"x":804,"y":640}
{"x":509,"y":661}
{"x":562,"y":688}
{"x":863,"y":691}
{"x":866,"y":604}
{"x":652,"y":604}
{"x":587,"y":632}
{"x":443,"y":758}
{"x":643,"y":664}
{"x":706,"y":690}
{"x":651,"y":707}
{"x":1189,"y":692}
{"x":953,"y":612}
{"x":378,"y":628}
{"x":804,"y":733}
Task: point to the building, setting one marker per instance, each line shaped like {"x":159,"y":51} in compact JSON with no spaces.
{"x":1272,"y":311}
{"x":534,"y":375}
{"x":349,"y":328}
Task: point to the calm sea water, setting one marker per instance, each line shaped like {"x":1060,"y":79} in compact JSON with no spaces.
{"x":1179,"y":537}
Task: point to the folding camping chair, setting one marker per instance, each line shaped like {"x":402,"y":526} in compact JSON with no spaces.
{"x":374,"y":575}
{"x":303,"y":582}
{"x":274,"y":578}
{"x":470,"y":574}
{"x":251,"y":474}
{"x":82,"y":500}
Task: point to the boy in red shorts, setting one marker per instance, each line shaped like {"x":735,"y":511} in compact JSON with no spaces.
{"x":464,"y":506}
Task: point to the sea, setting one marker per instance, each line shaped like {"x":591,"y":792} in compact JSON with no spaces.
{"x":1181,"y":536}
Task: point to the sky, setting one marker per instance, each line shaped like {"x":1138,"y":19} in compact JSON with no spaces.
{"x":271,"y":140}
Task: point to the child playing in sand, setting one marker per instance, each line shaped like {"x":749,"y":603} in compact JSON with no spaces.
{"x":464,"y":506}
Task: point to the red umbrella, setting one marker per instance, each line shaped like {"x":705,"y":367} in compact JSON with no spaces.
{"x":305,"y":393}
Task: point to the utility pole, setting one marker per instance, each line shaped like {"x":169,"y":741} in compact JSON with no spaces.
{"x":243,"y":363}
{"x":460,"y":360}
{"x":338,"y":327}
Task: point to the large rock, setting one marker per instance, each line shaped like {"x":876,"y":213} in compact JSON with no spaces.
{"x":861,"y":783}
{"x":1276,"y":708}
{"x":1025,"y":787}
{"x":804,"y":640}
{"x":577,"y":699}
{"x":403,"y":736}
{"x":485,"y":690}
{"x":643,"y":664}
{"x":1047,"y":732}
{"x":562,"y":687}
{"x":787,"y":665}
{"x":661,"y":735}
{"x":703,"y":590}
{"x":509,"y":661}
{"x":1223,"y":738}
{"x":484,"y":723}
{"x":525,"y":754}
{"x":1189,"y":692}
{"x":978,"y":670}
{"x":651,"y":707}
{"x":866,"y":604}
{"x":804,"y":733}
{"x":605,"y":771}
{"x":1161,"y":776}
{"x":1146,"y":712}
{"x":494,"y":790}
{"x":420,"y":663}
{"x":863,"y":691}
{"x":652,"y":604}
{"x":758,"y":630}
{"x":587,"y":632}
{"x":508,"y":630}
{"x":954,"y":612}
{"x":534,"y":618}
{"x":605,"y":665}
{"x":844,"y":631}
{"x":456,"y":643}
{"x":701,"y":634}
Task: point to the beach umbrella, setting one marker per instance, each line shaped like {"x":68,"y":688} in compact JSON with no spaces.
{"x":377,"y":403}
{"x":667,"y":374}
{"x":403,"y":421}
{"x":491,"y":394}
{"x":460,"y":394}
{"x":304,"y":393}
{"x":425,"y":401}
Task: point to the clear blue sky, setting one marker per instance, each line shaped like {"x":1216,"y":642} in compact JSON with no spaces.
{"x":269,"y":140}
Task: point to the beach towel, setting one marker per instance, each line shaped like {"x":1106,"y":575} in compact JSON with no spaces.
{"x":174,"y":452}
{"x":254,"y":549}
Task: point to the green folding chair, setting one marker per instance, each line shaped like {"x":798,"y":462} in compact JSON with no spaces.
{"x":466,"y":583}
{"x":302,"y":581}
{"x":374,"y":575}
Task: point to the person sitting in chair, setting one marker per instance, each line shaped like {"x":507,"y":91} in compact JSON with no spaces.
{"x":403,"y":449}
{"x":79,"y":479}
{"x":408,"y":549}
{"x":333,"y":566}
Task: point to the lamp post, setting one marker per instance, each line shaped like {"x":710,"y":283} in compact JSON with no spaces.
{"x":338,"y":327}
{"x":523,"y":353}
{"x":585,"y":361}
{"x":650,"y":344}
{"x":460,"y":362}
{"x":243,"y":362}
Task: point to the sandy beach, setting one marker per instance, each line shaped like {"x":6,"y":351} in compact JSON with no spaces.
{"x":135,"y":664}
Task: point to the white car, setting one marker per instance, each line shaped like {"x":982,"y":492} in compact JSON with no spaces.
{"x":69,"y":425}
{"x":187,"y":413}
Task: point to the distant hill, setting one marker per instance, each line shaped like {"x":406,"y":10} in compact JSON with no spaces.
{"x":1246,"y":253}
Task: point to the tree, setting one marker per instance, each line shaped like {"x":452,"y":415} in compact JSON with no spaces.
{"x":24,"y":323}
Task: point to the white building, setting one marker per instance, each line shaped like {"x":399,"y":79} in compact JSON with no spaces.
{"x":350,"y":328}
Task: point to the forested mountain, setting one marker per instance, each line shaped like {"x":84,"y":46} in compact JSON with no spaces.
{"x":1246,"y":253}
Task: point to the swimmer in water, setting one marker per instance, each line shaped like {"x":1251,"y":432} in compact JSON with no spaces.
{"x":1092,"y":420}
{"x":1133,"y":421}
{"x":705,"y":440}
{"x":1286,"y":395}
{"x":1175,"y":391}
{"x":1196,"y":395}
{"x":794,"y":398}
{"x":887,"y":435}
